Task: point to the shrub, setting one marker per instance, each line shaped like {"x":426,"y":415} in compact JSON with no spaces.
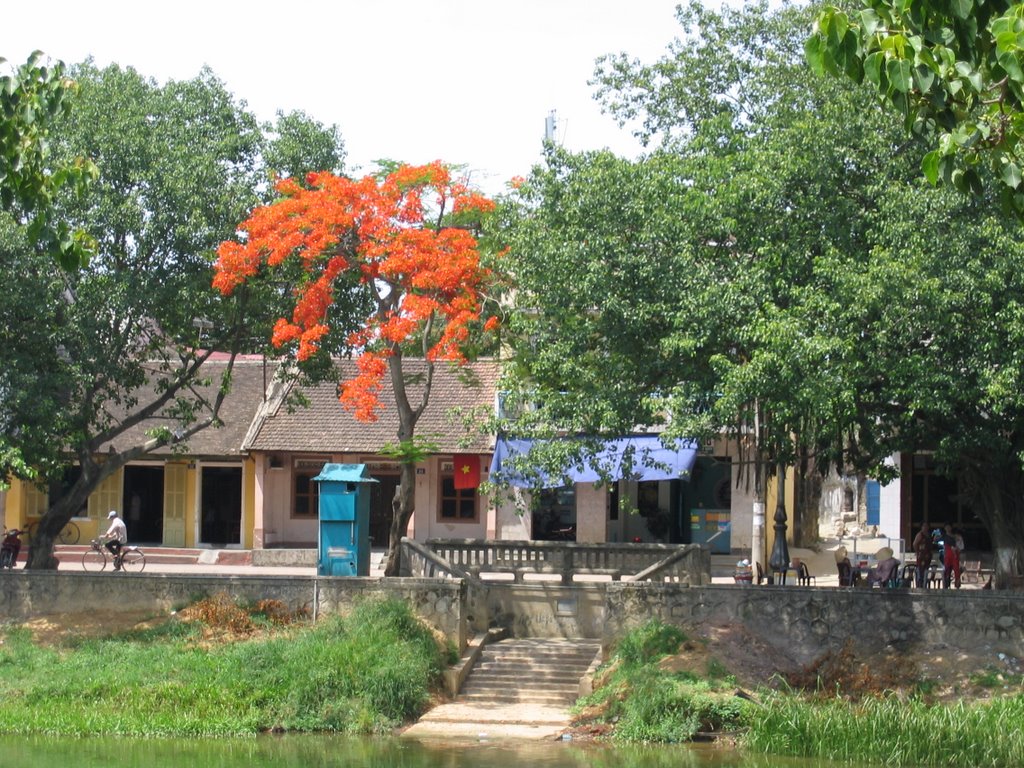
{"x":649,"y":643}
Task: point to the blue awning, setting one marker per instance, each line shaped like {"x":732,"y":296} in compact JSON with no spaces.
{"x":639,"y":457}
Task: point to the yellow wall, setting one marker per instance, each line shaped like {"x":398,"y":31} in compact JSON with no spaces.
{"x":25,"y":504}
{"x":14,"y":505}
{"x":191,"y":505}
{"x":248,"y":502}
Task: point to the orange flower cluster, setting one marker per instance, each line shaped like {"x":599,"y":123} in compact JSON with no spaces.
{"x":416,"y":272}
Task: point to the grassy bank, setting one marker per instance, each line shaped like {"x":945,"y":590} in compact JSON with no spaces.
{"x":363,"y":673}
{"x":638,"y":699}
{"x":891,"y":731}
{"x":645,"y":695}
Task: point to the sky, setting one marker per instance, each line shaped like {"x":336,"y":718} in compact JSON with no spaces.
{"x":464,"y":82}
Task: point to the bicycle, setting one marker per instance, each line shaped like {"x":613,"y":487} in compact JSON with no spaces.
{"x":131,"y":558}
{"x":69,"y":534}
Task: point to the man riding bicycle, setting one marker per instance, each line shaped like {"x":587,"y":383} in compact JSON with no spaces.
{"x":116,"y":536}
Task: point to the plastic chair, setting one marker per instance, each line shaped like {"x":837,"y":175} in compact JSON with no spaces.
{"x":803,"y":575}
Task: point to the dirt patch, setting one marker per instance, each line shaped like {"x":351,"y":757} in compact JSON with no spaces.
{"x":59,"y":629}
{"x":748,"y":657}
{"x":938,"y":672}
{"x":222,"y":621}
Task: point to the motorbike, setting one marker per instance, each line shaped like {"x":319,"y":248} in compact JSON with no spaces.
{"x":10,"y":547}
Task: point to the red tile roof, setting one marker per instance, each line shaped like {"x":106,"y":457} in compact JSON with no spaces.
{"x":326,"y":427}
{"x":237,"y":412}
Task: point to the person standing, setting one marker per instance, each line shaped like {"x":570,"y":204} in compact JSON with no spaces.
{"x":951,"y":545}
{"x":116,"y":536}
{"x":923,"y":552}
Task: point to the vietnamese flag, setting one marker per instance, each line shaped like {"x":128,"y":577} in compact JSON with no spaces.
{"x":467,"y":470}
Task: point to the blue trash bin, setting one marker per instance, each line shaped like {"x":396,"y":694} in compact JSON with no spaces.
{"x":344,"y":540}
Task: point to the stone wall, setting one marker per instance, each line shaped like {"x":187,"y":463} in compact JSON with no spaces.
{"x":807,"y":621}
{"x":545,"y":609}
{"x":24,"y":594}
{"x":810,"y":621}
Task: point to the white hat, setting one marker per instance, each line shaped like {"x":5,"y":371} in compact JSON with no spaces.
{"x":112,"y":513}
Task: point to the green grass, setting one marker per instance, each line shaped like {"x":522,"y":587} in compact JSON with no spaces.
{"x":891,"y":731}
{"x":648,"y":704}
{"x":643,"y":701}
{"x":363,"y":673}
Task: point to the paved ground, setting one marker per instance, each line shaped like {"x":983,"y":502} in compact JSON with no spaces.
{"x":456,"y":720}
{"x":75,"y":564}
{"x":822,"y":566}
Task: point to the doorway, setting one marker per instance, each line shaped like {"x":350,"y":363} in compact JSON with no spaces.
{"x":220,"y":505}
{"x":143,"y":504}
{"x":382,"y":494}
{"x":705,"y":511}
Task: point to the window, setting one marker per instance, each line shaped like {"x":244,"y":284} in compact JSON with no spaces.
{"x":457,"y":504}
{"x":306,"y":493}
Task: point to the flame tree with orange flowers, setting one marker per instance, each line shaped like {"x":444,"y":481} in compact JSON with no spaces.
{"x":408,"y":243}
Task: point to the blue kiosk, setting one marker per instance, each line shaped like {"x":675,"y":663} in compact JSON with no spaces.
{"x":344,"y":548}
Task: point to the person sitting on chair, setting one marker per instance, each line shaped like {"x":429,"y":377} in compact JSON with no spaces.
{"x":886,"y":569}
{"x":116,"y":536}
{"x":848,"y":577}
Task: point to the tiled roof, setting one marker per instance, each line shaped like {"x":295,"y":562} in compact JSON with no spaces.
{"x":326,"y":427}
{"x":237,"y":412}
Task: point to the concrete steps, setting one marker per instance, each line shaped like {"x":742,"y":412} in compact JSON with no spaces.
{"x":521,"y":688}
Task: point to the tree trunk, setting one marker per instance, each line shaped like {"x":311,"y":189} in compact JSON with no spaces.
{"x":40,"y":551}
{"x":404,"y":506}
{"x":806,"y":501}
{"x":995,"y":491}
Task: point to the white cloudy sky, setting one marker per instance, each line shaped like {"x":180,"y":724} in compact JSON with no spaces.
{"x":461,"y":81}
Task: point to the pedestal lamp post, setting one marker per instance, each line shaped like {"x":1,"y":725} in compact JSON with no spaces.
{"x":779,"y":560}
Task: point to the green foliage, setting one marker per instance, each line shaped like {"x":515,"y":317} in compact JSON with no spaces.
{"x":890,"y":731}
{"x":672,"y":709}
{"x":648,"y":643}
{"x":775,"y":271}
{"x":33,"y":97}
{"x":413,"y":451}
{"x":952,"y":70}
{"x":650,"y":704}
{"x":87,"y":355}
{"x":364,"y":673}
{"x":299,"y":145}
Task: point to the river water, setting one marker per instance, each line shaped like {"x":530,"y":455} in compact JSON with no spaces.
{"x":330,"y":751}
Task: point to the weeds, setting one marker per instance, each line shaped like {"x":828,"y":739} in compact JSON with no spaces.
{"x":363,"y":673}
{"x":647,"y":703}
{"x":890,"y":731}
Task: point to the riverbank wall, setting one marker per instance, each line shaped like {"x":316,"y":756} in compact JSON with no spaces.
{"x":25,"y":594}
{"x":807,"y":619}
{"x":810,"y":619}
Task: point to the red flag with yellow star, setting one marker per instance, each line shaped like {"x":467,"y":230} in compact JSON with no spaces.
{"x":467,"y":470}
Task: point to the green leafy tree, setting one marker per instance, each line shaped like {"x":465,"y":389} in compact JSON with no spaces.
{"x":955,"y":71}
{"x":300,"y":144}
{"x":682,"y":280}
{"x":32,"y":97}
{"x":88,"y":355}
{"x":777,"y":270}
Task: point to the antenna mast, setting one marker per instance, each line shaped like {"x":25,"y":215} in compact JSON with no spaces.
{"x":549,"y":127}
